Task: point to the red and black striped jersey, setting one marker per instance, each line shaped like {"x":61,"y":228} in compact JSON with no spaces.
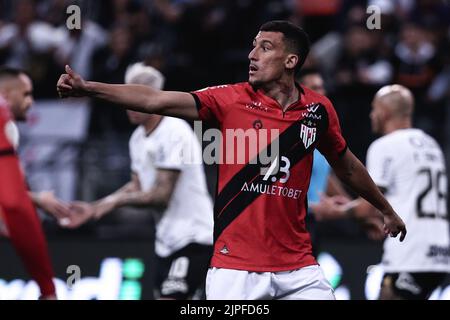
{"x":260,"y":206}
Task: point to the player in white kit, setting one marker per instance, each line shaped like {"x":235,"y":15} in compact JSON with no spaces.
{"x":409,"y":167}
{"x":167,"y":174}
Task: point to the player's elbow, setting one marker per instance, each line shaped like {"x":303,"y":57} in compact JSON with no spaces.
{"x":158,"y":200}
{"x":164,"y":197}
{"x":162,"y":203}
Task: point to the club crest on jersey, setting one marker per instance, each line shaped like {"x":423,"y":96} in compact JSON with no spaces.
{"x":307,"y":135}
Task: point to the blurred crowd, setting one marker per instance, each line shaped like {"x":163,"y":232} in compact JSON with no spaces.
{"x":198,"y":43}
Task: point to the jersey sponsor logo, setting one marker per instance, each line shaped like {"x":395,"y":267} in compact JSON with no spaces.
{"x":307,"y":135}
{"x":311,"y":116}
{"x":271,"y":190}
{"x":439,"y":254}
{"x":313,"y":107}
{"x":311,"y":112}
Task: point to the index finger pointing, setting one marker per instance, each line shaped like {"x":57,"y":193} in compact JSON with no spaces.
{"x":403,"y":234}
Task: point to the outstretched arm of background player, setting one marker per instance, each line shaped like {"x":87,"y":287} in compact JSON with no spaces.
{"x":129,"y":195}
{"x":158,"y":196}
{"x":369,"y":218}
{"x":47,"y":201}
{"x":82,"y":212}
{"x":135,"y":97}
{"x":23,"y":225}
{"x":352,"y":172}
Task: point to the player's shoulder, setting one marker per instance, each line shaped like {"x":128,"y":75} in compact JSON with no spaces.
{"x":174,"y":129}
{"x":381,"y":145}
{"x":402,"y":136}
{"x":227,"y":90}
{"x":176,"y":124}
{"x":222,"y":88}
{"x":397,"y":140}
{"x":137,"y":135}
{"x":313,"y":97}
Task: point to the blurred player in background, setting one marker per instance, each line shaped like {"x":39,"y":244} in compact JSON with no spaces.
{"x":17,"y":88}
{"x":262,"y":249}
{"x":163,"y":177}
{"x":409,"y":167}
{"x":21,"y":222}
{"x":324,"y":181}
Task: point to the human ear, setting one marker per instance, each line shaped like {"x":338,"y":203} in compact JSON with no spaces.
{"x":291,"y":61}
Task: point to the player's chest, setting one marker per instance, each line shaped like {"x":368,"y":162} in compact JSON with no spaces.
{"x":146,"y":154}
{"x":306,"y":120}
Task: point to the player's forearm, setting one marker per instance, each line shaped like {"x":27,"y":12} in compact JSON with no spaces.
{"x":361,"y":210}
{"x":145,"y":99}
{"x":112,"y":201}
{"x":136,"y":97}
{"x":352,"y":172}
{"x":155,"y":198}
{"x":130,"y":186}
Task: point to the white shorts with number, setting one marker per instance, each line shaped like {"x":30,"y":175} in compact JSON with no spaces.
{"x":308,"y":283}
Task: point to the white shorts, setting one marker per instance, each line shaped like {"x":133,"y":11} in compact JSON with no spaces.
{"x":308,"y":283}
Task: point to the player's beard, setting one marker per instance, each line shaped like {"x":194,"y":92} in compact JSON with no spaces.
{"x":256,"y":84}
{"x":20,"y":115}
{"x":376,"y":126}
{"x":21,"y":118}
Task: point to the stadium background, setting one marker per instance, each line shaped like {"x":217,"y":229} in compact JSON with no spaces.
{"x":80,"y":148}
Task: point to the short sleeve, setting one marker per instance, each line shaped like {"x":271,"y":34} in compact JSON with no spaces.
{"x":380,"y":164}
{"x":172,"y":155}
{"x":213,"y":101}
{"x":332,"y":144}
{"x":131,"y":147}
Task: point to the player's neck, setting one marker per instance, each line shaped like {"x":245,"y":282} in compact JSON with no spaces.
{"x":283,"y":91}
{"x":151,"y":124}
{"x":395,"y":125}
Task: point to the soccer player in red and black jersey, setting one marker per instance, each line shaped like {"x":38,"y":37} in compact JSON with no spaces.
{"x":16,"y":209}
{"x":262,"y":249}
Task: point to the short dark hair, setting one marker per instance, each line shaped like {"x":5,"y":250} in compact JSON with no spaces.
{"x":295,"y":38}
{"x":9,"y":72}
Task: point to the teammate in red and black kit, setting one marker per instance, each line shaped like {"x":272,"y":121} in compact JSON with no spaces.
{"x":262,"y":249}
{"x":16,"y":208}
